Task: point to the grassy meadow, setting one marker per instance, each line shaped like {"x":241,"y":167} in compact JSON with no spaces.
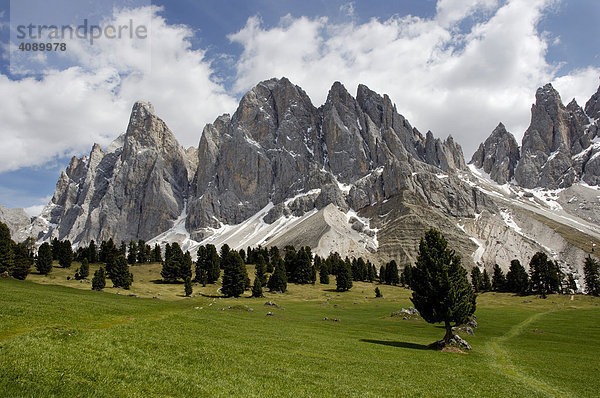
{"x":59,"y":338}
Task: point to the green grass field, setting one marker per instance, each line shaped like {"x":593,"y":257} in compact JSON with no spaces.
{"x":71,"y":341}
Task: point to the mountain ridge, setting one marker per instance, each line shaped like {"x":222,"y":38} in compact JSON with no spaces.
{"x":279,"y":163}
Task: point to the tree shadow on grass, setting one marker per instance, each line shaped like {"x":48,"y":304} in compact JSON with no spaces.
{"x":163,"y":282}
{"x":399,"y":344}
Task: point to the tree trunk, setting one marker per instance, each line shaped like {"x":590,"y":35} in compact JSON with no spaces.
{"x":449,"y":333}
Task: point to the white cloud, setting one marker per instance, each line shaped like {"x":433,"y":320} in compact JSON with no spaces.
{"x":440,"y":79}
{"x":36,"y":210}
{"x":65,"y":111}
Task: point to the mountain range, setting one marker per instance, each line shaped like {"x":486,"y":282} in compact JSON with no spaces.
{"x":351,"y":176}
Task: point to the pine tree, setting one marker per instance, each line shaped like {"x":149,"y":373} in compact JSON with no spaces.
{"x":257,"y":287}
{"x":123,"y":249}
{"x":476,"y":279}
{"x":371,"y":272}
{"x":234,"y":275}
{"x":290,"y":261}
{"x":92,"y":252}
{"x":188,"y":287}
{"x":99,"y":279}
{"x":83,"y":271}
{"x":22,"y":262}
{"x":273,"y":259}
{"x":65,"y":256}
{"x":43,"y":262}
{"x":185,"y":270}
{"x":132,"y":254}
{"x":121,"y":277}
{"x":517,"y":280}
{"x":544,"y":275}
{"x":406,"y":275}
{"x":486,"y":285}
{"x":223,"y":254}
{"x":343,"y":279}
{"x":156,"y":254}
{"x":141,"y":254}
{"x":571,"y":284}
{"x":170,"y":270}
{"x":498,"y":279}
{"x":382,"y":273}
{"x":391,"y":273}
{"x":591,"y":276}
{"x":378,"y":292}
{"x":323,"y":274}
{"x":55,"y":244}
{"x":302,"y":270}
{"x":261,"y":270}
{"x":441,"y":290}
{"x":173,"y":265}
{"x":214,"y":268}
{"x":278,"y":280}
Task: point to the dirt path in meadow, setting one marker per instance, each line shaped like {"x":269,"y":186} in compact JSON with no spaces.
{"x":502,"y":359}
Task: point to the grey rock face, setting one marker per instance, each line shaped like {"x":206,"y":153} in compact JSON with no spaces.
{"x":277,"y":152}
{"x":553,"y":143}
{"x":133,"y":191}
{"x":277,"y":145}
{"x":15,"y":219}
{"x":592,"y":107}
{"x":498,"y":155}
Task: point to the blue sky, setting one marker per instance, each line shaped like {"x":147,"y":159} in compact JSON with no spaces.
{"x":451,"y":66}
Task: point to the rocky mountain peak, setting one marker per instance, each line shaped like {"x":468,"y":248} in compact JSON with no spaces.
{"x":148,"y":131}
{"x":592,"y":107}
{"x":498,"y":155}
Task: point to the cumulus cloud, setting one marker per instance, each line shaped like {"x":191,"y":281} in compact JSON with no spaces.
{"x":66,"y":110}
{"x":442,"y":79}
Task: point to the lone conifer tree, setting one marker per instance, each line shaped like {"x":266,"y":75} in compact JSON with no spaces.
{"x":44,"y":259}
{"x":441,"y":290}
{"x":99,"y":279}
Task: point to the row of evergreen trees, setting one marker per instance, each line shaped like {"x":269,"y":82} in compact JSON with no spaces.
{"x":296,"y":266}
{"x":15,"y":258}
{"x":544,"y":277}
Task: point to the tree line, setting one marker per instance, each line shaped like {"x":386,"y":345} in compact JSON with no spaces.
{"x":274,"y":267}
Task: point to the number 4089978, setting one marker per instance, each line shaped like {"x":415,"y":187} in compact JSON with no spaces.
{"x":43,"y":47}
